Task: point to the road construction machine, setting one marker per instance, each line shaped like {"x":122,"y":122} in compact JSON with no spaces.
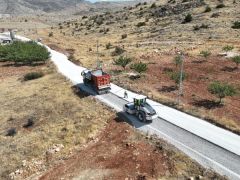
{"x":97,"y":79}
{"x":140,"y":108}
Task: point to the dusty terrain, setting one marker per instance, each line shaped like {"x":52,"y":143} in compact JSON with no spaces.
{"x":156,"y":44}
{"x":58,"y":115}
{"x":119,"y":153}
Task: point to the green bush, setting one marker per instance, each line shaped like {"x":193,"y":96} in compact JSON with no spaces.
{"x":177,"y":60}
{"x":205,"y":54}
{"x":122,"y":61}
{"x":32,"y":75}
{"x":176,"y":77}
{"x":221,"y":90}
{"x":108,"y":45}
{"x":220,"y":6}
{"x":11,"y":132}
{"x":188,"y":18}
{"x":118,"y":50}
{"x":236,"y":60}
{"x":236,"y":25}
{"x":24,"y":52}
{"x":208,"y":9}
{"x":124,"y":36}
{"x":50,"y":34}
{"x":227,"y":48}
{"x":141,"y":24}
{"x":153,"y":5}
{"x":139,"y":67}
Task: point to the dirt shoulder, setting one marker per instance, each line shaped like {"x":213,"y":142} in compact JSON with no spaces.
{"x":120,"y":152}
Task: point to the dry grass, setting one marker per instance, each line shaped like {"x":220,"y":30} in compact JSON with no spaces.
{"x":60,"y":117}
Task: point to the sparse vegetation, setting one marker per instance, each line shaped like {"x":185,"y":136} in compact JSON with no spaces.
{"x":221,"y":90}
{"x":188,"y":18}
{"x":220,"y":6}
{"x":177,"y":60}
{"x":208,"y":9}
{"x":176,"y":77}
{"x":33,"y":75}
{"x":124,"y":36}
{"x":122,"y":61}
{"x":205,"y":54}
{"x":141,"y":24}
{"x":236,"y":60}
{"x":139,"y":67}
{"x":50,"y":34}
{"x":236,"y":25}
{"x":108,"y":45}
{"x":11,"y":132}
{"x":153,"y":5}
{"x":118,"y":51}
{"x":227,"y":48}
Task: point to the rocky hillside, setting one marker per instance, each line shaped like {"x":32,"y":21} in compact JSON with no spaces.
{"x":64,"y":6}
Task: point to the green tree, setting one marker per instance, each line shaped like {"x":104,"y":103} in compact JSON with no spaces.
{"x":122,"y":61}
{"x":177,"y":60}
{"x":208,"y":9}
{"x":205,"y":54}
{"x":24,"y":52}
{"x":236,"y":59}
{"x":227,"y":48}
{"x":140,"y":67}
{"x":236,"y":25}
{"x":221,"y":90}
{"x":176,"y":77}
{"x":188,"y":18}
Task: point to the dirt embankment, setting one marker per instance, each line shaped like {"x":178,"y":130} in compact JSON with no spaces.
{"x":120,"y":152}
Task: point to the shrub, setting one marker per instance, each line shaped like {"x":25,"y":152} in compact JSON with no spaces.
{"x":24,"y":52}
{"x":50,"y":34}
{"x":11,"y":132}
{"x":177,"y":60}
{"x":188,"y":18}
{"x":153,"y":5}
{"x":208,"y":9}
{"x":236,"y":60}
{"x":141,"y":24}
{"x":236,"y":25}
{"x":215,"y":15}
{"x":221,"y":90}
{"x":108,"y":45}
{"x":118,"y":50}
{"x":122,"y":61}
{"x":139,"y":67}
{"x":196,"y":28}
{"x":227,"y":48}
{"x":204,"y":26}
{"x":29,"y":123}
{"x":220,"y":6}
{"x":176,"y":77}
{"x":32,"y":75}
{"x":124,"y":36}
{"x":205,"y":53}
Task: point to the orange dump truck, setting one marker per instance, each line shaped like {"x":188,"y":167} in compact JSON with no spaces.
{"x":99,"y":80}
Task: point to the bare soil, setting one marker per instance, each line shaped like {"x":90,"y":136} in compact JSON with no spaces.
{"x":121,"y":153}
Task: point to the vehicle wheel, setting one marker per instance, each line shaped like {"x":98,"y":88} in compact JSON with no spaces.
{"x":141,"y":117}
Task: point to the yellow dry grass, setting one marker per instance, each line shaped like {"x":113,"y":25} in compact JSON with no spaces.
{"x":60,"y":117}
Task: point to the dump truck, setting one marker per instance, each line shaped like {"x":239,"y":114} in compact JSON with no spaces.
{"x":140,"y":108}
{"x":97,"y":79}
